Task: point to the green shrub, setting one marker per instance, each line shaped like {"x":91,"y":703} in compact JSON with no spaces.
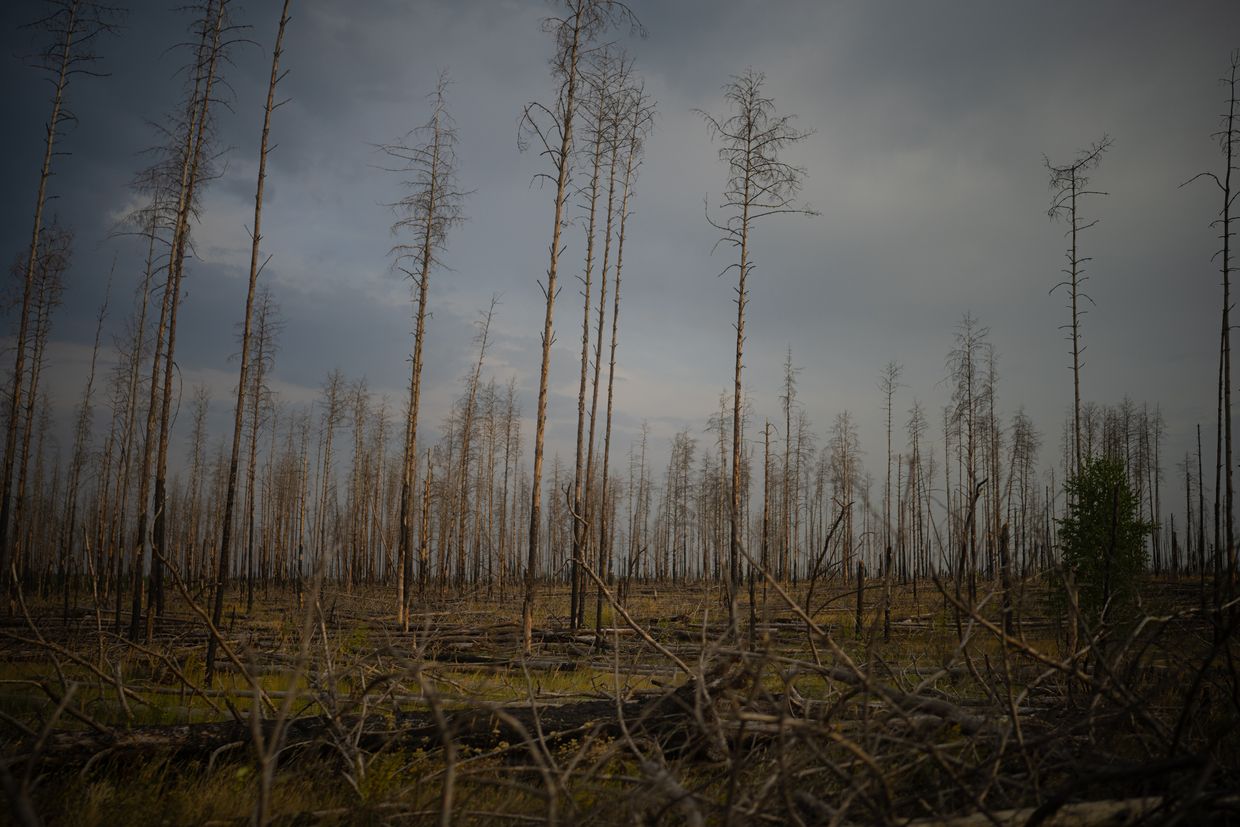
{"x":1102,"y":537}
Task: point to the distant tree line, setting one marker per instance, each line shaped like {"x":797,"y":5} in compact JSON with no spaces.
{"x":352,"y":486}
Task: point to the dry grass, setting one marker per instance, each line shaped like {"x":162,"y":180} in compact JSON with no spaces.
{"x":672,"y":717}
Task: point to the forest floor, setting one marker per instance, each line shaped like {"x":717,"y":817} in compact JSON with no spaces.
{"x":325,"y":711}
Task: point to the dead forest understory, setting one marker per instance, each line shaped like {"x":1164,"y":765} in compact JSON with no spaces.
{"x":828,"y":705}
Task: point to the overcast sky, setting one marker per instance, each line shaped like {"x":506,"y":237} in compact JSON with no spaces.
{"x":930,"y":124}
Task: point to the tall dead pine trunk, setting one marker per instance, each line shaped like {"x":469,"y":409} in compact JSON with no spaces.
{"x":467,"y":428}
{"x":220,"y":41}
{"x":190,"y":159}
{"x":427,"y":212}
{"x":1228,"y":137}
{"x":581,"y":529}
{"x":639,"y":113}
{"x":263,"y":341}
{"x":230,"y":497}
{"x":552,"y":128}
{"x":77,"y":463}
{"x":758,"y":185}
{"x":1069,"y":183}
{"x":72,"y":26}
{"x":612,"y":72}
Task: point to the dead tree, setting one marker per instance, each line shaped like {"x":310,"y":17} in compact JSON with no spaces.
{"x":1228,"y":137}
{"x":968,"y":395}
{"x":758,"y":185}
{"x":551,"y":127}
{"x":845,"y":453}
{"x":359,"y":482}
{"x":510,"y":419}
{"x":468,"y":413}
{"x":804,"y":447}
{"x":1069,"y":184}
{"x":424,"y":533}
{"x":186,"y":169}
{"x":720,"y":422}
{"x":1023,"y":460}
{"x":612,"y":72}
{"x":787,"y":399}
{"x":192,"y":527}
{"x":224,"y":35}
{"x":764,"y":545}
{"x":638,"y":508}
{"x":78,"y":459}
{"x":150,"y":220}
{"x":1201,"y":515}
{"x":52,"y":263}
{"x":429,"y":210}
{"x":596,"y":112}
{"x":916,"y":429}
{"x":888,"y":383}
{"x":993,"y":445}
{"x":267,"y":326}
{"x":243,"y":379}
{"x":333,"y":411}
{"x":72,"y":27}
{"x":633,"y":117}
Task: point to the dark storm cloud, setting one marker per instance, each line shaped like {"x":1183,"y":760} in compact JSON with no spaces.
{"x":926,"y":163}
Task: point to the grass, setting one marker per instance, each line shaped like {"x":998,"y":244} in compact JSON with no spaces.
{"x":595,"y":778}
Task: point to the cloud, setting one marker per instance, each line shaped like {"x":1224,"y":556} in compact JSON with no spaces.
{"x":929,"y":122}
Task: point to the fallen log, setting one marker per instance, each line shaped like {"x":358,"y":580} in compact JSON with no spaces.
{"x":1106,"y":813}
{"x":479,"y":727}
{"x":484,"y":726}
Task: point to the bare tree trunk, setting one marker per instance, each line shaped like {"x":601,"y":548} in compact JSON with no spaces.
{"x":121,"y":496}
{"x":1230,"y":138}
{"x":424,"y":535}
{"x":430,"y":211}
{"x":641,"y":114}
{"x":509,"y":423}
{"x":611,"y":80}
{"x":176,"y":275}
{"x":49,"y":285}
{"x":742,"y":298}
{"x":191,"y":154}
{"x":72,"y":26}
{"x":785,"y":550}
{"x":581,"y":473}
{"x":221,"y":579}
{"x":759,"y":184}
{"x":1201,"y":518}
{"x":467,"y":426}
{"x":569,"y":56}
{"x":1218,"y":484}
{"x":263,"y":346}
{"x":193,"y":528}
{"x":1069,"y":183}
{"x":81,"y":435}
{"x":766,"y":528}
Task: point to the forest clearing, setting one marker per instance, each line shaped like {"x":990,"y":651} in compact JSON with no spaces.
{"x":313,"y":509}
